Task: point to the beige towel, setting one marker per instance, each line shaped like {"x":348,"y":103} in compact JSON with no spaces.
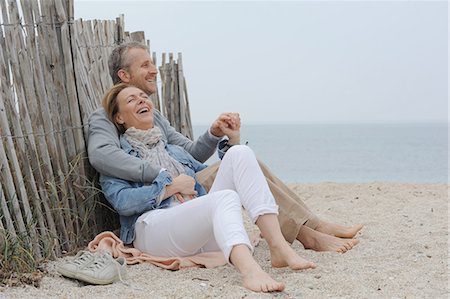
{"x":108,"y":241}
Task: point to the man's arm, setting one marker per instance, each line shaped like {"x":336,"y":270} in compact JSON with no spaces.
{"x":106,"y":156}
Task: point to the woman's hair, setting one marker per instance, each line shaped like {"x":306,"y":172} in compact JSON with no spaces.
{"x":117,"y":59}
{"x":110,"y":104}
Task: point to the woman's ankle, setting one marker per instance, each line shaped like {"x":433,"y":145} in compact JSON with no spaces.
{"x":242,"y":259}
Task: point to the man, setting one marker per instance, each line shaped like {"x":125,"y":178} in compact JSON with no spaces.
{"x":131,"y":63}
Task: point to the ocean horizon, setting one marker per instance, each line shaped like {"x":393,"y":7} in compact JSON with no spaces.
{"x":345,"y":152}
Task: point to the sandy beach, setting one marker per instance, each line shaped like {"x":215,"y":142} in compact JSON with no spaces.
{"x":403,"y":253}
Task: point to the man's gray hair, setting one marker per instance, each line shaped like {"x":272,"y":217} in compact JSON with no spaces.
{"x":117,"y":59}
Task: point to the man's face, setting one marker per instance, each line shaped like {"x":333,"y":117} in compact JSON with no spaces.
{"x":141,"y":71}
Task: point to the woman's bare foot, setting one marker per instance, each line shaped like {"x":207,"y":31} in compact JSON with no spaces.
{"x":259,"y":281}
{"x":281,"y":253}
{"x":338,"y":230}
{"x":318,"y":241}
{"x":253,"y":277}
{"x":284,"y":256}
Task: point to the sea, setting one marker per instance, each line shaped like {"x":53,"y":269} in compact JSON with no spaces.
{"x":313,"y":153}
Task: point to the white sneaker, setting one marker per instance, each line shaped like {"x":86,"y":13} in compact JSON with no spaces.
{"x":71,"y":268}
{"x":104,"y":269}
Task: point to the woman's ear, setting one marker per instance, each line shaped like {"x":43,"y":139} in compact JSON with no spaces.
{"x":124,"y":76}
{"x":119,"y":119}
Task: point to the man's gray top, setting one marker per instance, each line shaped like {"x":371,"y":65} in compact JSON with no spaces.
{"x":106,"y":156}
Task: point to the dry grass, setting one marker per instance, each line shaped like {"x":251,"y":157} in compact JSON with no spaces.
{"x":18,"y":263}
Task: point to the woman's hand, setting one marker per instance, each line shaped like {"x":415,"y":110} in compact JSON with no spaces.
{"x":183,"y":186}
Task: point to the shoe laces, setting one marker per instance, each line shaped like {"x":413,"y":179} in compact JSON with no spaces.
{"x":99,"y":261}
{"x":104,"y":258}
{"x":120,"y":275}
{"x":82,"y":258}
{"x":128,"y":284}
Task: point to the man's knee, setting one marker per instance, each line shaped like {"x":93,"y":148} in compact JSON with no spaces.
{"x":206,"y":176}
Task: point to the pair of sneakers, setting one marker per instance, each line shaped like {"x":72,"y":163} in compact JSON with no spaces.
{"x":94,"y":267}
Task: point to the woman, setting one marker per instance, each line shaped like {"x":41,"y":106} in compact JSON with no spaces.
{"x":173,"y":216}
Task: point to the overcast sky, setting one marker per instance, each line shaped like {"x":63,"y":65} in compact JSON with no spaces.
{"x":300,"y":61}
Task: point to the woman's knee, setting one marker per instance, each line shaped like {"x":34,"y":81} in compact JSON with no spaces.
{"x":227,"y":198}
{"x":240,"y":151}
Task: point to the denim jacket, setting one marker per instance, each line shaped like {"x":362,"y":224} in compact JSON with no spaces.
{"x":132,"y":199}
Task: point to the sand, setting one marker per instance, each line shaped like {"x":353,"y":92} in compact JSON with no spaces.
{"x":403,"y":253}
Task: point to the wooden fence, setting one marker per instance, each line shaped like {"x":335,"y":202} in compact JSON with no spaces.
{"x":53,"y":73}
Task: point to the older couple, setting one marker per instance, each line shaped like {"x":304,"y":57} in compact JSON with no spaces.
{"x":170,"y":204}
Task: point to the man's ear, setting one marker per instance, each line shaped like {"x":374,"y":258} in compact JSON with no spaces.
{"x":124,"y":76}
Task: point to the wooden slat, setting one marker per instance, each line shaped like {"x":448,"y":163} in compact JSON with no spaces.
{"x":74,"y":111}
{"x":60,"y":190}
{"x":32,"y":165}
{"x":82,"y":63}
{"x":182,"y":101}
{"x":164,"y":84}
{"x":155,"y":96}
{"x":4,"y":205}
{"x":22,"y":123}
{"x":4,"y":173}
{"x":137,"y":36}
{"x":74,"y":117}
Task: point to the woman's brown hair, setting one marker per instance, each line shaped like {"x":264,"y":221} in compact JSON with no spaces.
{"x":111,"y":106}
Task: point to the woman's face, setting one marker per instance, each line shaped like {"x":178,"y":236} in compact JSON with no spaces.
{"x":135,"y":109}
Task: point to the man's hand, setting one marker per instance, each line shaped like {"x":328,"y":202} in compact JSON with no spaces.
{"x":228,"y":124}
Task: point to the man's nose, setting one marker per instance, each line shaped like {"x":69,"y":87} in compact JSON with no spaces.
{"x":153,"y":69}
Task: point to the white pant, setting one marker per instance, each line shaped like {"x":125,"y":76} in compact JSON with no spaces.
{"x":214,"y":221}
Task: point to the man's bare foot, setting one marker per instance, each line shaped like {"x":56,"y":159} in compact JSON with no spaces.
{"x":338,"y":230}
{"x":318,"y":241}
{"x":259,"y":281}
{"x":284,"y":256}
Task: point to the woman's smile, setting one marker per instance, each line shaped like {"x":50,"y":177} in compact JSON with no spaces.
{"x":135,"y":109}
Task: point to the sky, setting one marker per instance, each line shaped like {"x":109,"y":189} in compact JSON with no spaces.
{"x":300,"y":61}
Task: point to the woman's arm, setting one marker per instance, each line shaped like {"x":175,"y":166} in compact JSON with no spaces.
{"x":182,"y":186}
{"x":129,"y":199}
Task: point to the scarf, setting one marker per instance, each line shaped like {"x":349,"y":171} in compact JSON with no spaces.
{"x":151,"y":147}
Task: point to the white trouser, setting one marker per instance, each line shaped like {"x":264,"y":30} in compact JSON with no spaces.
{"x":214,"y":221}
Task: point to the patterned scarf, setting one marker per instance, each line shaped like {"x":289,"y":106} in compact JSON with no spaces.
{"x":150,"y":146}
